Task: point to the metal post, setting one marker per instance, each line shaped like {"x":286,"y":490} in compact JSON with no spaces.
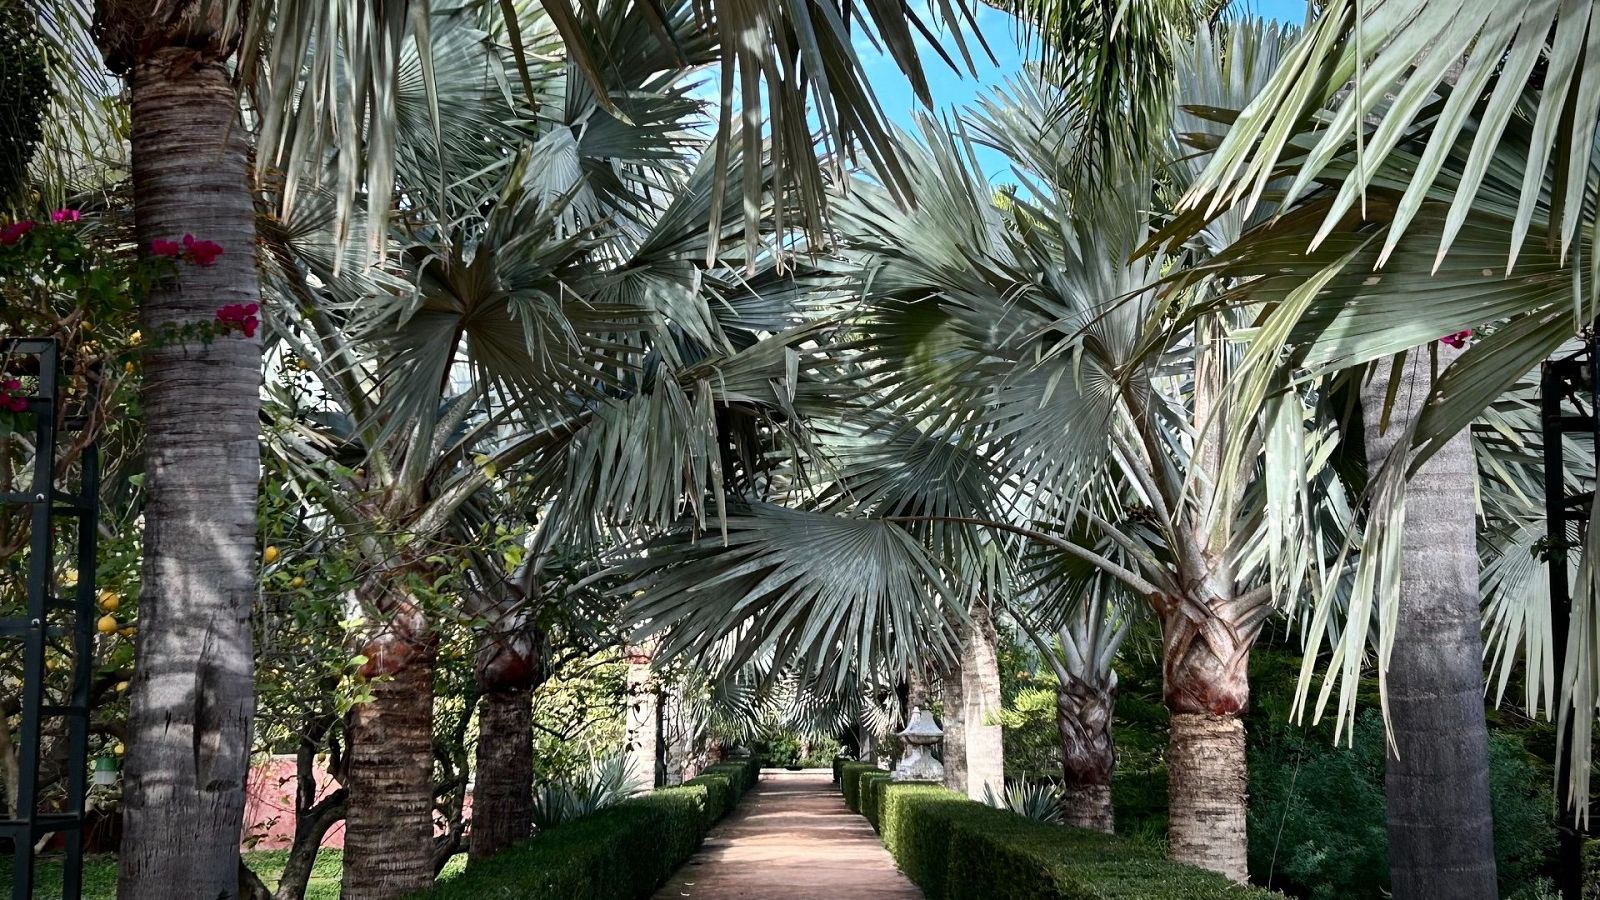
{"x":1565,"y":522}
{"x":34,"y":629}
{"x":40,"y":573}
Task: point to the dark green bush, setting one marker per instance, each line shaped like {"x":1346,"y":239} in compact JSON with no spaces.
{"x":871,"y":785}
{"x":719,"y":793}
{"x":850,"y":782}
{"x":956,"y":849}
{"x":1318,"y":814}
{"x":619,"y":853}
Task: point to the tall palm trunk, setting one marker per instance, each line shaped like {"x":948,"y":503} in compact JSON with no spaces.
{"x":1088,"y":755}
{"x":388,"y":838}
{"x":1206,"y":689}
{"x":980,"y":708}
{"x":955,"y":730}
{"x":193,"y":691}
{"x":509,"y":668}
{"x":1441,"y":836}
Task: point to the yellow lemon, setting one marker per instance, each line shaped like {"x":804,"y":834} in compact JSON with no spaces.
{"x":107,"y":624}
{"x":122,"y":687}
{"x":134,"y":339}
{"x":52,"y":664}
{"x":297,"y":582}
{"x":69,"y":577}
{"x":269,"y":555}
{"x":119,"y":749}
{"x":127,"y":368}
{"x":109,"y":601}
{"x":130,"y":631}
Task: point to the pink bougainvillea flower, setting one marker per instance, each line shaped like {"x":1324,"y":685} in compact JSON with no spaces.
{"x":10,"y":234}
{"x":65,"y":215}
{"x":1457,"y":340}
{"x":165,"y":248}
{"x":15,"y":403}
{"x":240,"y":317}
{"x":11,"y":384}
{"x":202,"y":253}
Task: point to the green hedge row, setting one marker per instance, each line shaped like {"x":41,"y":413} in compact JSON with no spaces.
{"x":870,"y":788}
{"x":623,"y":852}
{"x":956,"y":849}
{"x":850,"y":773}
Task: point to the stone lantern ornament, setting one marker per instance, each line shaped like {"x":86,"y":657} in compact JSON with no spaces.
{"x":922,"y":734}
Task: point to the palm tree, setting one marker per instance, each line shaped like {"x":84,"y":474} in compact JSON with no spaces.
{"x":978,"y":742}
{"x":1437,"y":767}
{"x":191,"y":174}
{"x":1021,"y":329}
{"x":193,"y":697}
{"x":1081,"y":657}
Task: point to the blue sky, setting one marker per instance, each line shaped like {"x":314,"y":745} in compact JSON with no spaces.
{"x":952,"y":90}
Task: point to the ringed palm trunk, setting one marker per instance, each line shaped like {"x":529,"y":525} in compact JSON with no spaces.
{"x":388,"y":839}
{"x":1441,"y":836}
{"x":1088,"y":755}
{"x":955,"y":731}
{"x":1205,"y":658}
{"x":980,"y":700}
{"x":193,"y":691}
{"x":509,"y":669}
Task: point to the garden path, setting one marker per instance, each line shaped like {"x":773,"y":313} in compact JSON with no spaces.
{"x":791,"y":838}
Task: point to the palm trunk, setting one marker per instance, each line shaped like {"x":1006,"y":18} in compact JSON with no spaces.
{"x":502,"y":791}
{"x":193,"y":691}
{"x":955,"y":731}
{"x":980,"y":699}
{"x":1206,"y":690}
{"x":509,"y":669}
{"x":388,"y":838}
{"x":1441,"y":836}
{"x":1088,"y":755}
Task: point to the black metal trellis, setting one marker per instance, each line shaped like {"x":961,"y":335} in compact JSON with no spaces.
{"x":1569,"y":401}
{"x":52,"y":618}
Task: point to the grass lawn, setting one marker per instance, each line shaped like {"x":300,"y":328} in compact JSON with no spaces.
{"x":100,"y":874}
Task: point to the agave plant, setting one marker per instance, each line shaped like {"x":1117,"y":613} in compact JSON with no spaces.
{"x":1037,"y":800}
{"x":607,"y":782}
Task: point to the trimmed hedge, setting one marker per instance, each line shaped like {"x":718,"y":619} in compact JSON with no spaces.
{"x":850,"y":782}
{"x":726,"y":783}
{"x":870,"y":785}
{"x":623,"y":852}
{"x":956,"y":849}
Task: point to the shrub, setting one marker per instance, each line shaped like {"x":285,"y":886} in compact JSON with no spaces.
{"x":1318,"y":814}
{"x":720,"y":793}
{"x":956,"y":849}
{"x":606,"y":783}
{"x":871,"y":785}
{"x":849,"y":782}
{"x":1039,"y":801}
{"x":620,"y":852}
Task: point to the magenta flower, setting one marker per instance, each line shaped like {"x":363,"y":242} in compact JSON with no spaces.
{"x":10,"y":234}
{"x":62,"y":216}
{"x":239,"y":317}
{"x":1457,"y":340}
{"x":201,"y":253}
{"x":166,"y":248}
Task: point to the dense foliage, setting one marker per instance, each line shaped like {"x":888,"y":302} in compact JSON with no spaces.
{"x":26,"y":87}
{"x":953,"y":847}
